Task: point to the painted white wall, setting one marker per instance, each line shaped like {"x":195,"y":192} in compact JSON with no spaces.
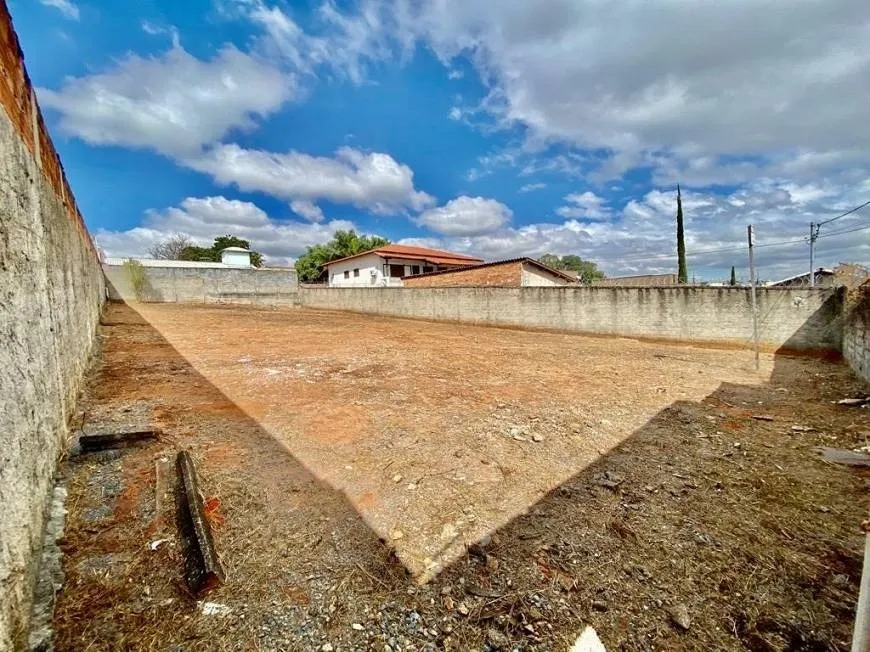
{"x":534,"y":277}
{"x":368,"y":271}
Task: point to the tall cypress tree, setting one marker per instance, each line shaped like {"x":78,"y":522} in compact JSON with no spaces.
{"x":682,"y":273}
{"x":733,"y":276}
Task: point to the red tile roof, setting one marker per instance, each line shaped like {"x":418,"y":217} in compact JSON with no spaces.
{"x":434,"y":256}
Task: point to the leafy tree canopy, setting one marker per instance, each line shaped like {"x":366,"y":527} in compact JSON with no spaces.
{"x":210,"y":254}
{"x":309,"y":266}
{"x":587,"y":270}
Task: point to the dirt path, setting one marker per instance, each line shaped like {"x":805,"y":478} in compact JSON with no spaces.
{"x":356,"y":458}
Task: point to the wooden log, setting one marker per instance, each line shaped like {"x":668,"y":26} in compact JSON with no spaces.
{"x":202,"y":566}
{"x":90,"y":443}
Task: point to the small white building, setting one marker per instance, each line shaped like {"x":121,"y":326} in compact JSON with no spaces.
{"x":236,"y":257}
{"x":385,"y":266}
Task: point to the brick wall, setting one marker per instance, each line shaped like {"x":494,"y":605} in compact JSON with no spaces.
{"x":504,"y":275}
{"x":51,"y":293}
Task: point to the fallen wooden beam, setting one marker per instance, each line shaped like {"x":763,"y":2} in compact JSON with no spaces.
{"x":90,"y":443}
{"x":202,"y":566}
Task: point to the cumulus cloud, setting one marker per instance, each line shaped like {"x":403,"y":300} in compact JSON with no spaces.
{"x":374,"y":181}
{"x":307,"y":209}
{"x":585,"y":206}
{"x":721,"y":80}
{"x":66,"y":7}
{"x":172,"y":103}
{"x":204,"y":218}
{"x":640,"y":237}
{"x":466,"y":216}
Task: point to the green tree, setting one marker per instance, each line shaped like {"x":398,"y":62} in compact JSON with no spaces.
{"x":213,"y":254}
{"x":587,"y":270}
{"x":682,"y":271}
{"x":733,"y":276}
{"x":309,"y":266}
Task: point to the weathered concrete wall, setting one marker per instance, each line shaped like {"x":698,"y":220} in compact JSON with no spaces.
{"x":790,"y":318}
{"x":51,"y":293}
{"x":641,"y":280}
{"x":274,"y":287}
{"x":856,"y":333}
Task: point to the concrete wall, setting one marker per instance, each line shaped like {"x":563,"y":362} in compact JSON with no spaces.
{"x":274,"y":287}
{"x":856,"y":333}
{"x":790,"y":318}
{"x":641,"y":280}
{"x":51,"y":293}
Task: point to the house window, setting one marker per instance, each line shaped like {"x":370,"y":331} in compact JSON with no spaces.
{"x":397,"y":271}
{"x":347,"y":274}
{"x":427,"y":269}
{"x":415,"y":269}
{"x":355,"y":273}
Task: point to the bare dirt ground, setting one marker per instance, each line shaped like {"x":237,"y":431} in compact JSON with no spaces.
{"x":398,"y":485}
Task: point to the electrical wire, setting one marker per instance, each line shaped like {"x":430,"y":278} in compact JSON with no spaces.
{"x":848,"y":212}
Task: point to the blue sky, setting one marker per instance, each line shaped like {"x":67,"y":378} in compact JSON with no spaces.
{"x":560,"y":126}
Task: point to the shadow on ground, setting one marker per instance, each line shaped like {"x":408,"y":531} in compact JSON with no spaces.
{"x":708,"y":528}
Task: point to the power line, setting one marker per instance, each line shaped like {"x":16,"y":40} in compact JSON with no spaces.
{"x":843,"y":231}
{"x":848,"y":212}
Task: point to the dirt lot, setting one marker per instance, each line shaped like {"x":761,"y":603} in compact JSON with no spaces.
{"x":389,"y":484}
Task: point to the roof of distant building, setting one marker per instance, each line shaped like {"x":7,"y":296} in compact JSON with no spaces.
{"x":821,"y":271}
{"x":241,"y":249}
{"x":434,"y":256}
{"x":566,"y":274}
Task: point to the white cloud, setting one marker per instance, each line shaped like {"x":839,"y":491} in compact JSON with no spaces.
{"x":641,"y":236}
{"x":173,"y":103}
{"x":205,"y":218}
{"x":373,"y":181}
{"x":455,"y":113}
{"x":531,"y":187}
{"x":585,"y":206}
{"x":66,"y":7}
{"x":718,"y":79}
{"x":465,"y":216}
{"x":307,"y":209}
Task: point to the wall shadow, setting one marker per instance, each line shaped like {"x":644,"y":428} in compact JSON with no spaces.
{"x":277,"y":523}
{"x":705,"y":509}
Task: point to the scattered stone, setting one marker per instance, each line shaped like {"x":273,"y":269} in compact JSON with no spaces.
{"x":588,"y":641}
{"x":491,"y":563}
{"x":214,"y":609}
{"x":326,"y":647}
{"x":599,"y":605}
{"x":395,"y":535}
{"x":357,"y":627}
{"x":679,"y":614}
{"x":823,"y":509}
{"x":397,"y":477}
{"x":496,"y":638}
{"x":762,"y":417}
{"x":538,"y":438}
{"x":463,"y":609}
{"x":802,"y":429}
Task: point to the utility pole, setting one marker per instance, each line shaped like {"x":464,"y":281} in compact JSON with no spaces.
{"x":814,"y":233}
{"x":751,"y":233}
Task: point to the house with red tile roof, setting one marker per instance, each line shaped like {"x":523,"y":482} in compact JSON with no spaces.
{"x":385,"y":266}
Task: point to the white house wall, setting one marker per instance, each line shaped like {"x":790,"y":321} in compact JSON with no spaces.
{"x":535,"y":277}
{"x":371,"y":271}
